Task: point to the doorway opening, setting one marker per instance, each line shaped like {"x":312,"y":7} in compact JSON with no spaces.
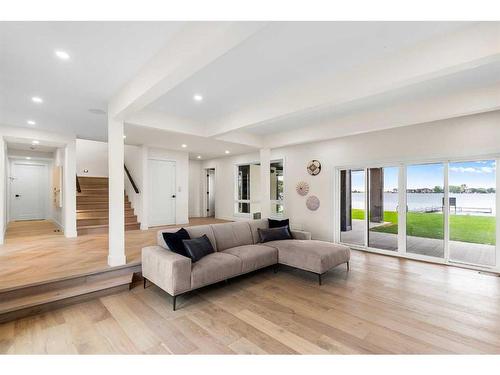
{"x":210,"y":195}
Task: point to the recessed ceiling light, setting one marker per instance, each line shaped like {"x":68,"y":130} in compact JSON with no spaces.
{"x":35,"y":142}
{"x":37,"y":99}
{"x":63,"y":55}
{"x":198,"y":97}
{"x":31,"y":122}
{"x":28,"y":158}
{"x":184,"y":145}
{"x":198,"y":157}
{"x":124,"y":136}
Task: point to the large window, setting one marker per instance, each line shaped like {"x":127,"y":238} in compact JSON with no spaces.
{"x":472,"y":196}
{"x":425,"y":205}
{"x":383,"y":208}
{"x":445,"y":210}
{"x":277,"y":188}
{"x":247,"y":200}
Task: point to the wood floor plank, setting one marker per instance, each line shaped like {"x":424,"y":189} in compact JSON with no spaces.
{"x":383,"y":305}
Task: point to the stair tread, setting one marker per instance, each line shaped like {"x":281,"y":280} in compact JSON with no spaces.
{"x":60,"y":294}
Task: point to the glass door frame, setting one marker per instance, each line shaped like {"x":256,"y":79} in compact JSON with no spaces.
{"x":402,"y":196}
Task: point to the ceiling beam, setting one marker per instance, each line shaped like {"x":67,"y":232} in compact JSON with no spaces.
{"x":458,"y":51}
{"x":193,"y":47}
{"x":427,"y":109}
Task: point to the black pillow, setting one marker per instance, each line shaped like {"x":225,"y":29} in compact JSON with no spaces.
{"x":280,"y":223}
{"x":197,"y":248}
{"x":274,"y":234}
{"x":174,"y":241}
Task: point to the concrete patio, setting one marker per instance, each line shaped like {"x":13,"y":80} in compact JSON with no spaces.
{"x":459,"y":251}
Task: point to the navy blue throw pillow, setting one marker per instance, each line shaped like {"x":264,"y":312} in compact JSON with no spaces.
{"x":274,"y":234}
{"x":280,"y":223}
{"x":174,"y":241}
{"x":197,"y":248}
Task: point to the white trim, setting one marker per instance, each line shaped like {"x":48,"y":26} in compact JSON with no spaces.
{"x":446,"y":214}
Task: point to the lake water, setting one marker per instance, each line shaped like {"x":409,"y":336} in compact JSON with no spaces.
{"x":417,"y":201}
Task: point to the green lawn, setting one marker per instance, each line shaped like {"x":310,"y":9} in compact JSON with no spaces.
{"x":465,"y":228}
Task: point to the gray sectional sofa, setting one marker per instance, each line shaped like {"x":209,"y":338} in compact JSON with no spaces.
{"x":237,"y":251}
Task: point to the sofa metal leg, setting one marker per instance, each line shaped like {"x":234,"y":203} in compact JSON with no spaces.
{"x":144,"y":279}
{"x":348,"y":266}
{"x":276,"y":267}
{"x":319,"y":278}
{"x":173,"y":305}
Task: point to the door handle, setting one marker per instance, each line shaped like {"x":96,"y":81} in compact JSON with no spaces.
{"x":18,"y":195}
{"x":173,"y":196}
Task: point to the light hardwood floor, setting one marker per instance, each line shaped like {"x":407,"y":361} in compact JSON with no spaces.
{"x":33,"y":252}
{"x":383,"y":305}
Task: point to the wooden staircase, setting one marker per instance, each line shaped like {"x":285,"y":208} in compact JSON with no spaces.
{"x":92,"y":207}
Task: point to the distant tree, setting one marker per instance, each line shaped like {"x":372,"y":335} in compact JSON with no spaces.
{"x":490,"y":190}
{"x":438,"y":189}
{"x":455,"y":189}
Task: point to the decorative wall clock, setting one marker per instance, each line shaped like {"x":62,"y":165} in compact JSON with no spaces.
{"x":314,"y":167}
{"x":302,"y":188}
{"x":312,"y":203}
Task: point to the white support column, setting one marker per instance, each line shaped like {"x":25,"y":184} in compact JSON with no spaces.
{"x":116,"y":255}
{"x":145,"y":188}
{"x":265,"y":181}
{"x":69,"y":190}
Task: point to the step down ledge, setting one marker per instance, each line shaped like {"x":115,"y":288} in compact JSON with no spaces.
{"x":25,"y":302}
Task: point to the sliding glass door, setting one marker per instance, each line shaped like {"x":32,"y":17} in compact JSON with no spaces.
{"x":425,"y":209}
{"x":472,"y":212}
{"x":442,"y":210}
{"x":352,"y":206}
{"x":383,"y":208}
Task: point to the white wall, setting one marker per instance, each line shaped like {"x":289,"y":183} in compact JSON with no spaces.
{"x":469,"y":136}
{"x":91,"y":155}
{"x":224,"y":182}
{"x":57,"y":212}
{"x":133,"y":161}
{"x":182,"y":180}
{"x":67,"y":143}
{"x":195,"y":188}
{"x":3,"y":189}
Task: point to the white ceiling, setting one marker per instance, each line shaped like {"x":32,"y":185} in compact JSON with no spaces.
{"x":196,"y":145}
{"x":286,"y":53}
{"x":284,"y":77}
{"x":104,"y":56}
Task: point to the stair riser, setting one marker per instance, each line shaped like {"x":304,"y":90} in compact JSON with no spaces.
{"x":101,"y":214}
{"x":68,"y":282}
{"x":100,"y":205}
{"x":93,"y":198}
{"x":101,"y":221}
{"x":104,"y":230}
{"x":18,"y":314}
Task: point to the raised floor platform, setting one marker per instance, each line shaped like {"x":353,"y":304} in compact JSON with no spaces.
{"x":40,"y":267}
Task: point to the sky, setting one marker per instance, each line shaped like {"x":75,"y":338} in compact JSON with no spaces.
{"x":478,"y":174}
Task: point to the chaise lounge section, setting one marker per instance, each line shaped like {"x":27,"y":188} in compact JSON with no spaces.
{"x":237,"y":251}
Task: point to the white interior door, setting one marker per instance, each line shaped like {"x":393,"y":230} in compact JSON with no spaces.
{"x":162,"y":192}
{"x":28,"y":191}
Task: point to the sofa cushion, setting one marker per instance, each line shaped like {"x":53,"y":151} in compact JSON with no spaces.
{"x":174,"y":241}
{"x":274,"y":234}
{"x":213,"y":268}
{"x":254,"y":257}
{"x":229,"y":235}
{"x":254,"y":228}
{"x":311,"y":255}
{"x":199,"y":230}
{"x":197,"y":248}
